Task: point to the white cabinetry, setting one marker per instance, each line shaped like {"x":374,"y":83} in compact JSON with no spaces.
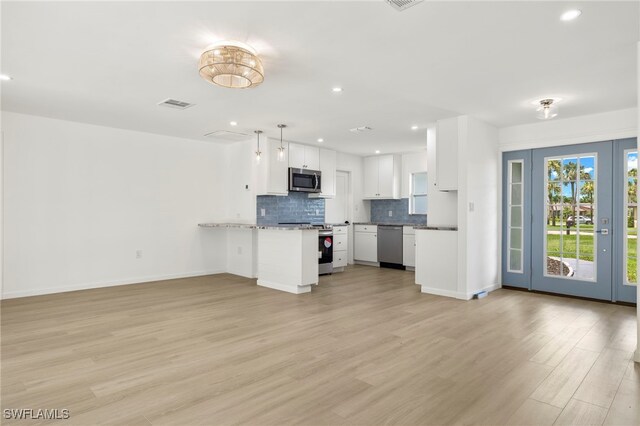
{"x":437,"y":262}
{"x":328,"y":162}
{"x":447,"y":136}
{"x":365,"y":243}
{"x":304,"y":157}
{"x":382,"y":177}
{"x":409,"y":246}
{"x":272,"y":174}
{"x":340,"y":247}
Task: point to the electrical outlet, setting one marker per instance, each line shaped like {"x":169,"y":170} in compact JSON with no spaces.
{"x":390,"y":213}
{"x":138,"y":254}
{"x":262,"y":213}
{"x":239,"y":250}
{"x":317,"y":212}
{"x":472,"y":206}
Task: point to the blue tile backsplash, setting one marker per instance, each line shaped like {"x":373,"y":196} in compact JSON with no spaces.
{"x":296,"y":207}
{"x":400,"y":208}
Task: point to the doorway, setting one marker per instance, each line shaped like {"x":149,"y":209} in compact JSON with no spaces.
{"x":570,"y":220}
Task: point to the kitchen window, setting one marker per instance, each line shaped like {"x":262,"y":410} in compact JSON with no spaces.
{"x":418,"y":198}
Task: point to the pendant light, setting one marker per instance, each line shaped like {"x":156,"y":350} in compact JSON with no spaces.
{"x":258,"y":152}
{"x":547,"y":109}
{"x":281,"y":148}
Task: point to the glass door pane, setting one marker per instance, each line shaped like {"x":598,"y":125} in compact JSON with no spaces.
{"x":569,"y":215}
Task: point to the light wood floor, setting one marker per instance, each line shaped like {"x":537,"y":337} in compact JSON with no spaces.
{"x":365,"y":347}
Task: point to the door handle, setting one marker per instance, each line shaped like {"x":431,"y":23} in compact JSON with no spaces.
{"x":603,"y":231}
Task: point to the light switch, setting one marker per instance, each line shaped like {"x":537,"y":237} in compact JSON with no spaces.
{"x":262,"y":212}
{"x":471,"y":206}
{"x":390,"y":213}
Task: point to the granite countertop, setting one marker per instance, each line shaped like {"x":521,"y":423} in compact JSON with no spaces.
{"x":437,"y":228}
{"x":254,"y":226}
{"x":415,"y":225}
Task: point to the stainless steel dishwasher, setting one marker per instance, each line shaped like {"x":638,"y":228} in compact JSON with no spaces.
{"x":390,"y":245}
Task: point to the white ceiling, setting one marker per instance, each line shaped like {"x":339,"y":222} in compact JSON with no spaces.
{"x":110,"y":63}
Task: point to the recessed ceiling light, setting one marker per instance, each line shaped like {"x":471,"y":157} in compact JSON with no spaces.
{"x":377,"y":151}
{"x":320,"y":140}
{"x":414,"y":127}
{"x":233,"y":123}
{"x":337,"y":89}
{"x":5,"y":77}
{"x":570,"y":15}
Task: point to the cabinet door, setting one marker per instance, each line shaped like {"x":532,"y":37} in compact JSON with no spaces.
{"x":386,"y":177}
{"x":311,"y":158}
{"x":447,"y":154}
{"x":371,"y":177}
{"x":409,"y":250}
{"x":365,"y":246}
{"x":277,"y":174}
{"x":296,"y":155}
{"x":328,"y":169}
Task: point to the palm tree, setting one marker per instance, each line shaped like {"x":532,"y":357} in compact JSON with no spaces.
{"x":570,"y":171}
{"x":588,"y":189}
{"x":554,"y":169}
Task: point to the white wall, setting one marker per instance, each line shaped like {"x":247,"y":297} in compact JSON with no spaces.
{"x":588,"y":128}
{"x":442,"y":207}
{"x":414,"y":162}
{"x":478,"y":208}
{"x":240,"y":172}
{"x":80,"y":200}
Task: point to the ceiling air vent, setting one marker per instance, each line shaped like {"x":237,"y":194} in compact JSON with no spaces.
{"x":361,"y":129}
{"x":228,"y":136}
{"x":173,"y":103}
{"x":403,"y":4}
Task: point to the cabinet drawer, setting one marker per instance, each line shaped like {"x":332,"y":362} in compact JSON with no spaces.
{"x":340,"y":230}
{"x":408,"y":230}
{"x":366,"y":228}
{"x":340,"y":242}
{"x":339,"y":258}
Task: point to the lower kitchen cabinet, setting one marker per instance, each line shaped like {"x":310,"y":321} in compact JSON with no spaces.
{"x":365,"y":247}
{"x":409,"y":246}
{"x":340,"y":247}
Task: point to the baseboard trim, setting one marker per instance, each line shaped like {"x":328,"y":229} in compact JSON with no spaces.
{"x":441,"y":292}
{"x":488,"y":289}
{"x":282,"y":287}
{"x":457,"y":294}
{"x":115,"y":283}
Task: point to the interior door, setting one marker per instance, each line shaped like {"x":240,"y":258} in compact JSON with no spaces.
{"x":572,"y":220}
{"x":626,"y":214}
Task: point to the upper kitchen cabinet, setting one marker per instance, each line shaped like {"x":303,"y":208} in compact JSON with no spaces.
{"x":382,"y":177}
{"x":273,"y":175}
{"x":304,"y":157}
{"x":328,"y":163}
{"x":447,"y":136}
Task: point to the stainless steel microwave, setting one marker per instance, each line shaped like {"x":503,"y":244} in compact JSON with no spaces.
{"x":304,"y":180}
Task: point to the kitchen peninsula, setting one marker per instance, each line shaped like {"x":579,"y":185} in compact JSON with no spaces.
{"x":287,"y":255}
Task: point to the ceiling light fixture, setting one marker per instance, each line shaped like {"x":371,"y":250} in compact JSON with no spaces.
{"x":337,"y":89}
{"x":547,"y":109}
{"x":231,"y":64}
{"x":377,"y":151}
{"x":281,"y":148}
{"x":258,"y":152}
{"x":414,"y":127}
{"x":320,"y":140}
{"x":5,"y":77}
{"x":233,"y":123}
{"x":570,"y":15}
